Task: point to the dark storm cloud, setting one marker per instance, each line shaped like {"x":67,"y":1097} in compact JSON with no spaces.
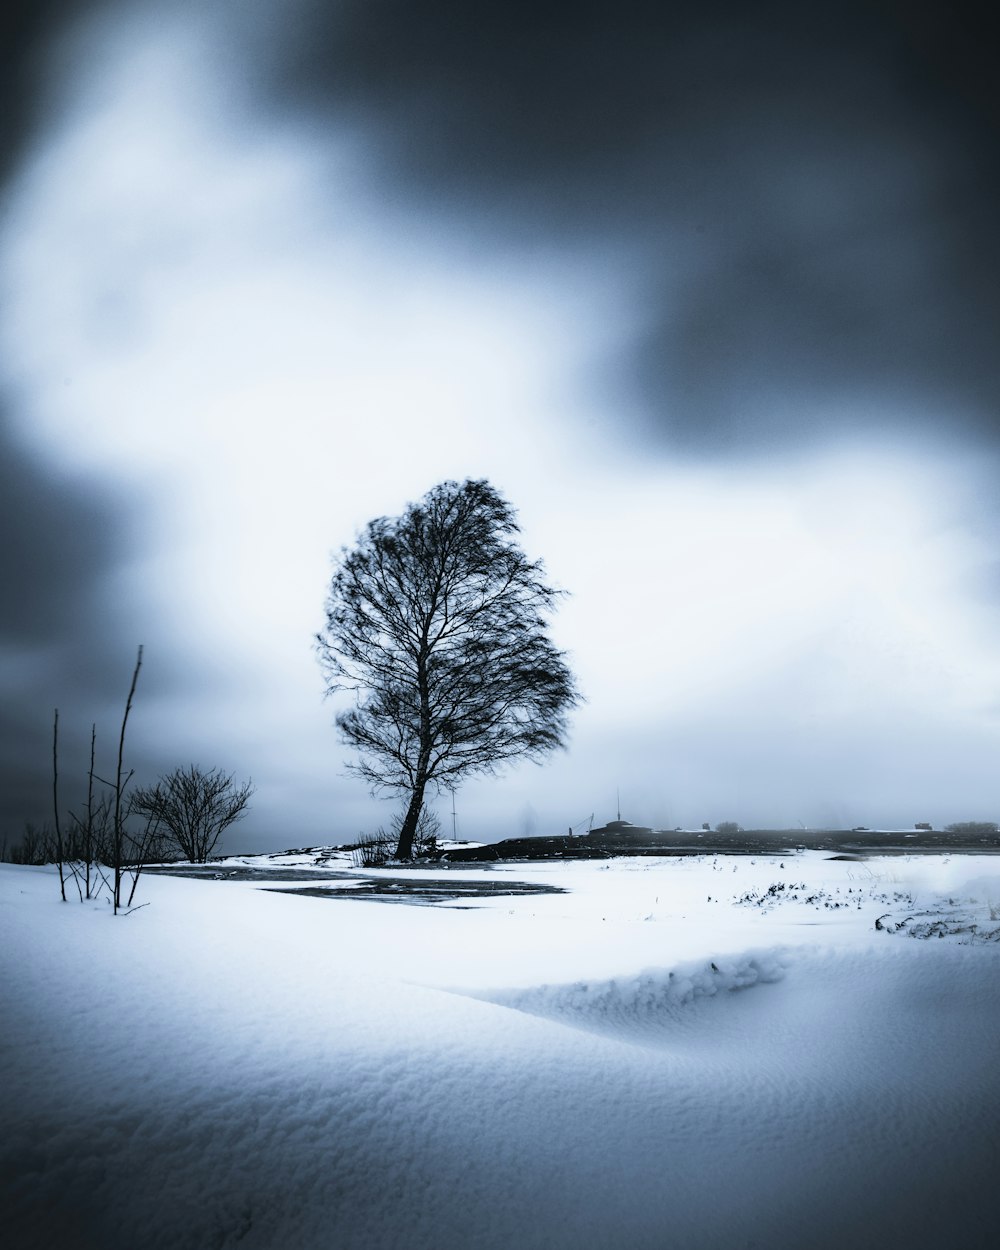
{"x":73,"y":606}
{"x":59,"y":643}
{"x":59,"y":541}
{"x":69,"y":628}
{"x":799,"y":201}
{"x":25,"y":29}
{"x":802,"y":199}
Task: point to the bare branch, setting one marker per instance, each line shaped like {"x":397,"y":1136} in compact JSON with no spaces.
{"x":55,"y":801}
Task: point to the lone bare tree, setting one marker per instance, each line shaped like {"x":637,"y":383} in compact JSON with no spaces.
{"x":193,"y":807}
{"x":436,"y":620}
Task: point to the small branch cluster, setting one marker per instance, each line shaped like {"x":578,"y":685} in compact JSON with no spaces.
{"x":185,"y":811}
{"x":100,"y":837}
{"x":193,"y":807}
{"x":373,"y":850}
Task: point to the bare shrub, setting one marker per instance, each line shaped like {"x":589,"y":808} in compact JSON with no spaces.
{"x":193,"y":807}
{"x":973,"y":828}
{"x":372,"y":850}
{"x":34,"y":847}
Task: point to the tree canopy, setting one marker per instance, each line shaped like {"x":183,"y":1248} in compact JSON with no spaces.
{"x":436,"y":620}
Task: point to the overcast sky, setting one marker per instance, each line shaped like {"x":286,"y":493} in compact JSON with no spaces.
{"x":710,"y":292}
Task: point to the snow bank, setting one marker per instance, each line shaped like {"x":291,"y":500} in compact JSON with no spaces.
{"x":650,"y":1004}
{"x":232,"y":1067}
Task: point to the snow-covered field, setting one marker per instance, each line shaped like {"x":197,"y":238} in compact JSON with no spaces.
{"x":691,"y":1053}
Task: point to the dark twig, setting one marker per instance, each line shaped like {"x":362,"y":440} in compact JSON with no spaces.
{"x":55,"y":802}
{"x":120,"y":786}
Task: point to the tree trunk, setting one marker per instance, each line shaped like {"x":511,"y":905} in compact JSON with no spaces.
{"x":408,"y":830}
{"x":404,"y":847}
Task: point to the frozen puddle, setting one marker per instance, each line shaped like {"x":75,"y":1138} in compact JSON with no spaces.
{"x":448,"y":891}
{"x":420,"y":891}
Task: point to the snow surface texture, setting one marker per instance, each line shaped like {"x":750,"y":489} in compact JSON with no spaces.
{"x":649,"y":1060}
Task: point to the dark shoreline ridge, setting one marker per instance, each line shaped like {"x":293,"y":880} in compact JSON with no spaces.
{"x":620,"y":838}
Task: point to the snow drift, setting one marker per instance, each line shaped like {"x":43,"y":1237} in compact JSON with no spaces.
{"x":232,"y":1067}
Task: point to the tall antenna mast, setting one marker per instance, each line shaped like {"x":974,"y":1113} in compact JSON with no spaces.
{"x":454,"y":826}
{"x":618,"y":799}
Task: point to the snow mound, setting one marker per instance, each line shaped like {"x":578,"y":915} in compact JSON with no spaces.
{"x":238,"y":1069}
{"x":654,"y":1004}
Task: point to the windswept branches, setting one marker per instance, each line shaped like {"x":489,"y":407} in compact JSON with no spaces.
{"x":436,"y":622}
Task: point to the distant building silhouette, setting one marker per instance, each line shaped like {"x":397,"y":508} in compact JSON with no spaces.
{"x":620,"y":830}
